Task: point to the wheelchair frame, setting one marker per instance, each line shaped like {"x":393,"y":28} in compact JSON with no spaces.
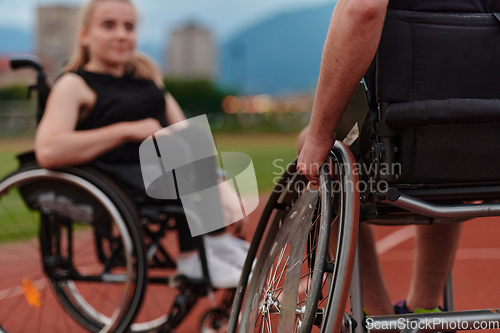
{"x":444,"y":213}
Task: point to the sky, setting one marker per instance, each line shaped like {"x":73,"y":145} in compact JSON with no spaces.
{"x":159,"y":17}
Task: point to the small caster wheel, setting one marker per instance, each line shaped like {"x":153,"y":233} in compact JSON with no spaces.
{"x":214,"y":321}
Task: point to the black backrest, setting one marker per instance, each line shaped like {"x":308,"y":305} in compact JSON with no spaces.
{"x":436,"y":56}
{"x":438,"y":87}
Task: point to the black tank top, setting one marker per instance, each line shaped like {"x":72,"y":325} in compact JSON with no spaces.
{"x":452,"y":6}
{"x":118,"y":100}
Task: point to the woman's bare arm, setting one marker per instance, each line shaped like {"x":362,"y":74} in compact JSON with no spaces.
{"x":173,"y":110}
{"x":57,"y":144}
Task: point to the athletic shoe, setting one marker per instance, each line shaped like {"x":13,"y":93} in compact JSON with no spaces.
{"x":223,"y":275}
{"x":243,"y":244}
{"x":228,"y":248}
{"x":400,"y":308}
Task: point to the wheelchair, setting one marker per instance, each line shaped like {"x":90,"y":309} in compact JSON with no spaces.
{"x":79,"y":252}
{"x":427,"y":154}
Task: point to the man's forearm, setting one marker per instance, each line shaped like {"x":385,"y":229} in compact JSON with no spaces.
{"x":350,"y":47}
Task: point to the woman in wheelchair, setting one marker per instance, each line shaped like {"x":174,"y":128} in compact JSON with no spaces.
{"x":106,"y":103}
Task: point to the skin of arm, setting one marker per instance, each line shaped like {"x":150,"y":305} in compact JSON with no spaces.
{"x":57,"y":144}
{"x":351,"y":44}
{"x":301,"y":139}
{"x":173,"y":111}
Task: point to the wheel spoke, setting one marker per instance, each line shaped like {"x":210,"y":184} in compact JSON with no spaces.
{"x":272,"y":278}
{"x":274,"y":282}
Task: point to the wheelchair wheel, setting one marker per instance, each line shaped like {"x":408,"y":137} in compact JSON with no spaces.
{"x":214,"y":321}
{"x":71,"y":253}
{"x":299,"y":283}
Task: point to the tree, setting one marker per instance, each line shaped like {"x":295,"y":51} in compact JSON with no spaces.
{"x":13,"y":93}
{"x":197,"y":96}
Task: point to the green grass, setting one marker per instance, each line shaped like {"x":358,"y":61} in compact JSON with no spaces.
{"x":8,"y":163}
{"x":18,"y":221}
{"x":9,"y":147}
{"x":270,"y":154}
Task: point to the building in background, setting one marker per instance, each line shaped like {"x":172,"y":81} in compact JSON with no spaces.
{"x":56,"y":30}
{"x":192,"y":53}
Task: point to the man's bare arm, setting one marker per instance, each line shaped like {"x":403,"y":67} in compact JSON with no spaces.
{"x":351,"y":44}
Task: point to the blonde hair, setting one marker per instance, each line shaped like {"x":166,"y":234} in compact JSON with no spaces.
{"x":141,"y":66}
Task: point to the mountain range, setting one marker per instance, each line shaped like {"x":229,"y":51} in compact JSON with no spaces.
{"x":280,"y":54}
{"x":16,"y":41}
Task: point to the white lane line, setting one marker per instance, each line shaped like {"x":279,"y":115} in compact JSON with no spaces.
{"x":462,"y":254}
{"x":392,"y":240}
{"x":468,"y":254}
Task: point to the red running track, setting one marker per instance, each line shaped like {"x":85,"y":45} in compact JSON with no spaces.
{"x":474,"y":273}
